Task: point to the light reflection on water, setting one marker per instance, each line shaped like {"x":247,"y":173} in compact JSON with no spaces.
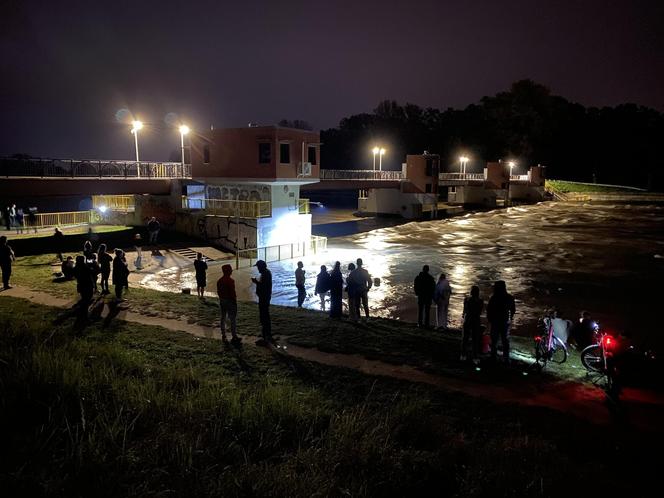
{"x":573,"y":256}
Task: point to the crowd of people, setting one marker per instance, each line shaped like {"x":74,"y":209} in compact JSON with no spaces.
{"x":19,"y":218}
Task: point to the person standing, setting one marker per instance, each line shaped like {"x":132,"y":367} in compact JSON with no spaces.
{"x":87,"y":250}
{"x":153,"y":230}
{"x":7,"y":216}
{"x":200,"y":265}
{"x":20,"y":220}
{"x":264,"y":293}
{"x":227,"y":302}
{"x":336,"y":291}
{"x":12,"y":216}
{"x":424,"y":287}
{"x":472,"y":326}
{"x":322,"y":285}
{"x":500,"y":313}
{"x":299,"y":283}
{"x":138,"y":245}
{"x":353,"y":296}
{"x":105,"y":260}
{"x":441,"y":297}
{"x":58,"y":243}
{"x":95,"y":270}
{"x":360,"y":279}
{"x":7,"y":257}
{"x":120,"y":273}
{"x":32,"y":218}
{"x":84,"y":285}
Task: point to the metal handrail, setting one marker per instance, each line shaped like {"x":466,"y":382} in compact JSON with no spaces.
{"x":88,"y":168}
{"x":247,"y":257}
{"x":461,"y":176}
{"x":124,"y":203}
{"x":360,"y":174}
{"x":229,"y":207}
{"x":65,"y":218}
{"x":303,"y":206}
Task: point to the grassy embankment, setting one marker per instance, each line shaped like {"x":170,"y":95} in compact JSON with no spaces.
{"x":121,"y":409}
{"x":566,"y":187}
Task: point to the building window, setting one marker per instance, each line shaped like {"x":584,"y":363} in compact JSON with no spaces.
{"x":427,"y":188}
{"x":206,"y":154}
{"x":264,"y":153}
{"x":311,"y":155}
{"x":284,"y":153}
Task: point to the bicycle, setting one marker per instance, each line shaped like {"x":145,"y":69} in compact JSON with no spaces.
{"x":599,"y":358}
{"x":548,"y":347}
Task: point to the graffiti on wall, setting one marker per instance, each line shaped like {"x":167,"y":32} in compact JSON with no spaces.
{"x":226,"y":232}
{"x":242,"y":192}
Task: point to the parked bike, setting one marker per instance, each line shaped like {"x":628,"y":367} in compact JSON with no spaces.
{"x":600,"y":358}
{"x":548,"y":347}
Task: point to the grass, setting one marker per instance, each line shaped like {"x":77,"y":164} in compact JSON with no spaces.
{"x":48,"y":232}
{"x":95,"y":409}
{"x":576,"y":187}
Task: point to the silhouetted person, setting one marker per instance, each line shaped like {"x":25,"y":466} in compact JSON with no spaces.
{"x":84,"y":285}
{"x":105,"y":260}
{"x":201,"y":274}
{"x":20,"y":220}
{"x":472,"y":325}
{"x":6,"y":259}
{"x":424,"y":287}
{"x":7,"y":217}
{"x":12,"y":216}
{"x":95,"y":269}
{"x":264,"y":293}
{"x":58,"y":243}
{"x":32,"y":218}
{"x":138,"y":245}
{"x":299,"y":283}
{"x":441,"y":297}
{"x":583,"y":332}
{"x":361,"y":281}
{"x":353,"y":296}
{"x":500,"y":313}
{"x":227,"y":302}
{"x":336,"y":291}
{"x":153,"y":230}
{"x":120,"y":273}
{"x":67,"y":268}
{"x":322,"y":285}
{"x":87,"y":249}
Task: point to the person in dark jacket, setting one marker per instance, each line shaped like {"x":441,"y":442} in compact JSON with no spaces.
{"x":58,"y":242}
{"x":84,"y":285}
{"x":6,"y":260}
{"x":322,"y":285}
{"x":353,"y":296}
{"x":201,"y":274}
{"x":105,"y":260}
{"x":264,"y":293}
{"x":336,"y":291}
{"x":472,"y":325}
{"x":227,"y":302}
{"x":300,"y":279}
{"x":424,"y":287}
{"x":67,"y":268}
{"x":95,"y":270}
{"x":153,"y":230}
{"x":500,"y":313}
{"x":120,"y":273}
{"x":87,"y":250}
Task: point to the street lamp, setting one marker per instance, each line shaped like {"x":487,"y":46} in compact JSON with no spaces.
{"x":511,"y":164}
{"x":137,"y":125}
{"x":463,"y":160}
{"x":375,"y":151}
{"x":380,"y":160}
{"x":184,"y":130}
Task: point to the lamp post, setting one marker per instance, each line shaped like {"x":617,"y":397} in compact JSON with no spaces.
{"x":375,"y":151}
{"x":380,"y":160}
{"x":137,"y":125}
{"x":463,"y":160}
{"x":184,"y":130}
{"x":511,"y":164}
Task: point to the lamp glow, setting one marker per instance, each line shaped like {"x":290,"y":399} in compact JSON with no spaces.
{"x":102,"y":209}
{"x":184,"y":129}
{"x":137,"y":125}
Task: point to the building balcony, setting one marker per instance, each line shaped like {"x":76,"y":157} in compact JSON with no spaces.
{"x":230,"y":207}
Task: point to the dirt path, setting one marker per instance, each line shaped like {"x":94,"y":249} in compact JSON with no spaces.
{"x":581,"y":400}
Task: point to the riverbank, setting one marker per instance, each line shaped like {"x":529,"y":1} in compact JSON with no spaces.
{"x":118,"y":408}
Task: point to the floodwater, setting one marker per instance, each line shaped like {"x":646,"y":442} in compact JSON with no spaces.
{"x":607,"y":259}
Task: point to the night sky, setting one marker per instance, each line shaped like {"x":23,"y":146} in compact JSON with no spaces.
{"x":68,"y":67}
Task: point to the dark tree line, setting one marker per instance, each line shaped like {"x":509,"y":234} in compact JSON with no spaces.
{"x":615,"y":145}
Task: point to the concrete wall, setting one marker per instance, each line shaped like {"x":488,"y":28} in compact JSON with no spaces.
{"x":497,"y":175}
{"x":218,"y":231}
{"x":475,"y":195}
{"x":416,"y":171}
{"x":394,"y":202}
{"x":286,"y":224}
{"x":161,"y":207}
{"x":524,"y":192}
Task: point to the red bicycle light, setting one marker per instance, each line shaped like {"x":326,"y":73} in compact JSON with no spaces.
{"x":538,"y":338}
{"x":609,"y":342}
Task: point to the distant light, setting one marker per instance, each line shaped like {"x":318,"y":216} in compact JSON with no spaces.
{"x":137,"y":125}
{"x":382,"y":151}
{"x":463,"y":159}
{"x":375,"y":150}
{"x":102,"y":209}
{"x":184,"y":129}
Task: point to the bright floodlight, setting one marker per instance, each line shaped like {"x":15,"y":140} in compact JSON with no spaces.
{"x":137,"y":125}
{"x":102,"y":209}
{"x":382,"y":151}
{"x":463,"y":159}
{"x":511,"y":164}
{"x":375,"y":150}
{"x":184,"y":129}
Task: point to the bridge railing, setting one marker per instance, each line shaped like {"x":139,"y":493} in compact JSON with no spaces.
{"x":359,"y":174}
{"x":91,"y":168}
{"x":461,"y":177}
{"x":229,"y":207}
{"x":124,"y":203}
{"x":519,"y":178}
{"x":246,"y":258}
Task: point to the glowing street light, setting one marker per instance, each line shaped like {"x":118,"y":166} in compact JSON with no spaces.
{"x":511,"y":164}
{"x":380,"y":160}
{"x":375,"y":151}
{"x":463,"y":160}
{"x":137,"y":125}
{"x":184,"y":130}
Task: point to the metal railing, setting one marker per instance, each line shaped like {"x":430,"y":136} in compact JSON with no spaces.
{"x":248,"y":257}
{"x":89,"y":168}
{"x":520,"y":178}
{"x":46,"y":220}
{"x":124,"y":203}
{"x":461,"y":177}
{"x":229,"y":207}
{"x":359,"y":174}
{"x":303,"y":206}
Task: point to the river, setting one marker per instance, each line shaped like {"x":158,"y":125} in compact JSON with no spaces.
{"x":607,"y":259}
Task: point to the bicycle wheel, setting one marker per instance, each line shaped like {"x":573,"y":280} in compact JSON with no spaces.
{"x":558,"y":351}
{"x":540,"y":351}
{"x":591,"y":358}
